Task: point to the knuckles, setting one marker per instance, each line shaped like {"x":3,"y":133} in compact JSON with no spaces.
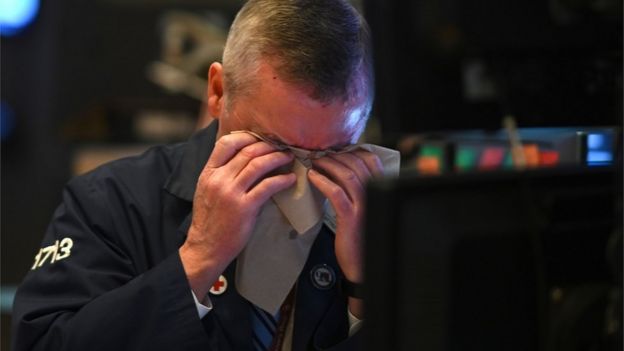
{"x":225,"y":142}
{"x":373,"y":162}
{"x":349,"y":175}
{"x":233,"y":140}
{"x":256,"y":149}
{"x":360,"y":163}
{"x":336,"y":192}
{"x":215,"y":187}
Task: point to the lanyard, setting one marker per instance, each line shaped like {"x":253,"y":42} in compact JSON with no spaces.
{"x":285,"y":312}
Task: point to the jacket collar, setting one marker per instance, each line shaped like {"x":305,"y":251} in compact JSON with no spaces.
{"x":183,"y":179}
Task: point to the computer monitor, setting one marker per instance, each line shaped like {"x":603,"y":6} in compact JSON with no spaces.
{"x":493,"y":261}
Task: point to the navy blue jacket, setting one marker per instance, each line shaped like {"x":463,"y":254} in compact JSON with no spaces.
{"x":110,"y":276}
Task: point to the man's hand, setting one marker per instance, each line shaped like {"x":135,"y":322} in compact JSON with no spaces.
{"x":341,"y":178}
{"x":230,"y":193}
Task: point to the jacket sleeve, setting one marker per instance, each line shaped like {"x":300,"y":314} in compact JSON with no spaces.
{"x":333,"y":332}
{"x":84,"y":291}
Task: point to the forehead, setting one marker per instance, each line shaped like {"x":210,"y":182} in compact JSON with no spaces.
{"x":288,"y":113}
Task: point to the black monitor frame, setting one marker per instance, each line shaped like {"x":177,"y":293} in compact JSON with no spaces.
{"x":474,"y":262}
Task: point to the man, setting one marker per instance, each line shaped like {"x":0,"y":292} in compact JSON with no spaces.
{"x":142,"y":253}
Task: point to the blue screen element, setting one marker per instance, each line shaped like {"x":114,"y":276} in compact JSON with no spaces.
{"x":599,"y":149}
{"x":16,"y":15}
{"x":595,"y":141}
{"x":599,"y":157}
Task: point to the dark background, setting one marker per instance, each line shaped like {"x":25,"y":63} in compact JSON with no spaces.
{"x":547,"y":63}
{"x":74,"y":76}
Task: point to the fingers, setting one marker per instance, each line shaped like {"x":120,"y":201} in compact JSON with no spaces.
{"x":356,"y":164}
{"x":270,"y":186}
{"x":349,"y":171}
{"x":242,"y":154}
{"x":362,"y":163}
{"x":239,"y":162}
{"x":227,"y":146}
{"x":340,"y":174}
{"x":334,"y":193}
{"x":261,"y":166}
{"x":341,"y":178}
{"x":246,"y":155}
{"x":372,"y":161}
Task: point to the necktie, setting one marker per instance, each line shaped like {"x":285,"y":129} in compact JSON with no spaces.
{"x":264,"y":326}
{"x":269,"y":330}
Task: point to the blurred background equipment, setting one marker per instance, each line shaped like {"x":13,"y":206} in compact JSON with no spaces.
{"x":189,"y":42}
{"x":449,"y":73}
{"x":479,"y":151}
{"x":504,"y":230}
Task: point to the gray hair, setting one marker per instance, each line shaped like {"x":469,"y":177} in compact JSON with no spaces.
{"x":322,"y":44}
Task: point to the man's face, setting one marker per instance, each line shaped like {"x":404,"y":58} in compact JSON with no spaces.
{"x":287,"y":114}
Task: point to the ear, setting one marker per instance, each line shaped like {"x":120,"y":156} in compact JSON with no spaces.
{"x":215,"y":90}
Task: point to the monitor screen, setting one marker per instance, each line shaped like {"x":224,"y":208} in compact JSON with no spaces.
{"x":493,"y":261}
{"x":464,"y":64}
